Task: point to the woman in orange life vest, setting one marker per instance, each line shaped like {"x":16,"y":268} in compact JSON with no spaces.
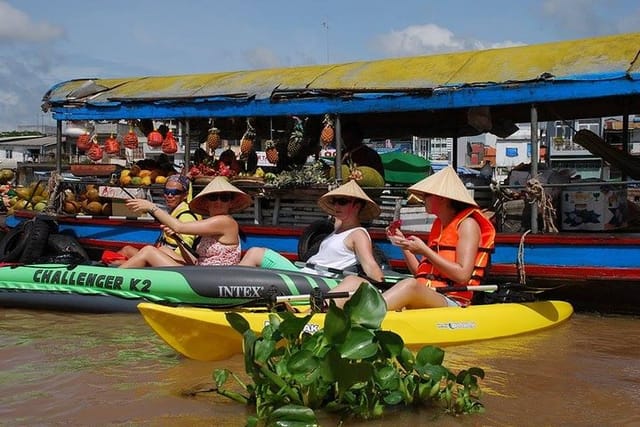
{"x":457,"y":252}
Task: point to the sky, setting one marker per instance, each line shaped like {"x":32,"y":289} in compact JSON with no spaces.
{"x":44,"y":42}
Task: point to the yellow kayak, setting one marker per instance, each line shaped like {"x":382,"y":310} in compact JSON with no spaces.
{"x":204,"y":334}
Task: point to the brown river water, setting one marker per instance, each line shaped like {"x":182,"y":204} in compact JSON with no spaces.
{"x":88,"y":369}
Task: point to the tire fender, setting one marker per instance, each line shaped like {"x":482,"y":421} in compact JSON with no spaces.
{"x":12,"y":244}
{"x":35,"y":235}
{"x":311,"y":237}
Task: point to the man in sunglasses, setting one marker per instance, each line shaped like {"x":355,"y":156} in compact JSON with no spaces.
{"x":176,"y":198}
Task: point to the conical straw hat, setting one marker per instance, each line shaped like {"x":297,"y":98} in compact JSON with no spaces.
{"x":219,"y":184}
{"x":370,"y":209}
{"x":444,"y":183}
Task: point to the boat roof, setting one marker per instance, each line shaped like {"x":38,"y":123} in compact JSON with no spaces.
{"x":422,"y":95}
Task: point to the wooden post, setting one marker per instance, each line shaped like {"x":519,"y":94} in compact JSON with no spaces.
{"x":534,"y":163}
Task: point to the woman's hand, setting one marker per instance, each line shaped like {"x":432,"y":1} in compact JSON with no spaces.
{"x":393,"y":227}
{"x":394,"y":234}
{"x":413,"y":244}
{"x":141,"y":205}
{"x":168,"y":231}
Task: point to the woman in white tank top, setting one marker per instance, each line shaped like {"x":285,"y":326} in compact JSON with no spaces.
{"x":349,"y":243}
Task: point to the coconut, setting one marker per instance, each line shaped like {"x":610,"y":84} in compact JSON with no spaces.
{"x":94,"y":208}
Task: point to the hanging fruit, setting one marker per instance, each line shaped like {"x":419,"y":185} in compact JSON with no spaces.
{"x":112,"y":145}
{"x":328,"y":132}
{"x":294,"y":147}
{"x":84,"y":142}
{"x":131,"y":139}
{"x":155,"y":139}
{"x":213,"y":138}
{"x":246,"y":143}
{"x":95,"y":152}
{"x":169,"y":145}
{"x":271,"y":152}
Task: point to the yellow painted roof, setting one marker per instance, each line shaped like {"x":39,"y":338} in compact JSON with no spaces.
{"x":597,"y":58}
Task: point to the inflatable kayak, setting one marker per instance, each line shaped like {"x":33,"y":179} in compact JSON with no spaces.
{"x":102,"y":289}
{"x":204,"y":334}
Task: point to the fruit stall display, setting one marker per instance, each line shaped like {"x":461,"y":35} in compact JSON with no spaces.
{"x":288,"y":155}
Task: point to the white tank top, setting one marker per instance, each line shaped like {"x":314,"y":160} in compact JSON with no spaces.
{"x":334,"y":253}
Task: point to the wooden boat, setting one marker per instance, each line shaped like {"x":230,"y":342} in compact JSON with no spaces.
{"x":544,"y":258}
{"x":204,"y":334}
{"x":429,"y":96}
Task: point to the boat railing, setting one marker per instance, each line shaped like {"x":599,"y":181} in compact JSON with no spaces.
{"x":509,"y":203}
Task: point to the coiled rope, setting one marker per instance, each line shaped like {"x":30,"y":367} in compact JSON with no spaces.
{"x":535,"y":194}
{"x":522,"y":274}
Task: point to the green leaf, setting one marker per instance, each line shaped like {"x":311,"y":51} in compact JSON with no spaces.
{"x":292,"y":415}
{"x":434,"y":372}
{"x":366,"y":307}
{"x":237,"y":322}
{"x":350,"y":374}
{"x":431,"y":355}
{"x":406,"y":359}
{"x":393,"y":398}
{"x":328,"y":365}
{"x":387,"y":378}
{"x":302,"y":362}
{"x":390,"y":342}
{"x":271,"y":330}
{"x":336,"y":325}
{"x":220,"y":376}
{"x":249,"y":340}
{"x":477,"y":372}
{"x":292,"y":326}
{"x":359,"y":344}
{"x":263,"y":349}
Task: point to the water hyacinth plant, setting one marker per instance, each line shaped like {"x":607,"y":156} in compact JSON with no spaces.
{"x":350,"y":366}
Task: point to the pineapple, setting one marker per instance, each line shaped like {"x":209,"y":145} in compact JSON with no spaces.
{"x":213,"y":139}
{"x":246,"y":143}
{"x":328,"y":133}
{"x":271,"y":152}
{"x":296,"y":138}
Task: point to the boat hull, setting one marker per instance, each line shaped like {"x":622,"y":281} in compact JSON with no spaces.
{"x":541,"y":259}
{"x":90,"y":288}
{"x":204,"y":334}
{"x":595,"y":270}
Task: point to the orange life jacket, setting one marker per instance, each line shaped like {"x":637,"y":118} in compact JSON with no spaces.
{"x":444,"y":242}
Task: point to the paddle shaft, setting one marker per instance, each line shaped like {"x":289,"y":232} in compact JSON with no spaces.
{"x":335,"y":295}
{"x":383,"y":284}
{"x":391,"y":280}
{"x":175,"y":237}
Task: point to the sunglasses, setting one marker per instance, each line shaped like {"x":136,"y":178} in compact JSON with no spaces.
{"x":341,"y":201}
{"x":173,"y":192}
{"x":224,"y":197}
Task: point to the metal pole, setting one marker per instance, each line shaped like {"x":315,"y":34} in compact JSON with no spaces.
{"x":187,"y":145}
{"x":339,"y":143}
{"x":534,"y":163}
{"x":625,"y":135}
{"x":59,"y":146}
{"x":454,"y":153}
